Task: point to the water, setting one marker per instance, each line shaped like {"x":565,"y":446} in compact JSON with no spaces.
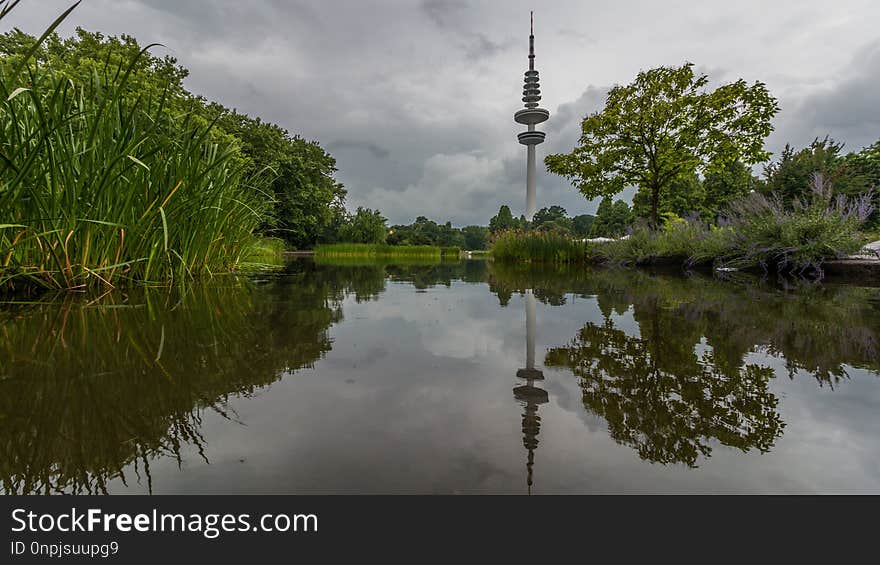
{"x":448,"y":378}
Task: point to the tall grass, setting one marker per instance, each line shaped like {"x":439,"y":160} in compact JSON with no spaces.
{"x":377,"y":250}
{"x":537,"y":246}
{"x":757,"y":232}
{"x":688,"y":242}
{"x":799,"y":236}
{"x":101,"y":184}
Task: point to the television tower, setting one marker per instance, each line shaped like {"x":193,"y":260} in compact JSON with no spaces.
{"x":531,"y":116}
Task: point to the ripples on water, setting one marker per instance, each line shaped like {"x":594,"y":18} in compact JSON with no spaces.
{"x":434,"y":378}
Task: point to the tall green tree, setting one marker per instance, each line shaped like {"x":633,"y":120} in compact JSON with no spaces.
{"x":789,"y":176}
{"x":550,"y":214}
{"x":724,"y":185}
{"x":475,"y":237}
{"x":863,"y":174}
{"x":581,"y":224}
{"x":665,"y":124}
{"x":852,"y":174}
{"x":685,"y":196}
{"x":364,"y":226}
{"x":612,"y":218}
{"x":304,"y":191}
{"x":503,"y":220}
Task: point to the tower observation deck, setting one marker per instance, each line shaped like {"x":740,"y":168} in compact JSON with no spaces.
{"x":530,"y":116}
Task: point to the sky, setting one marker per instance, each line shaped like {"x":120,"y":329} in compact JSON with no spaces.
{"x":415,"y":98}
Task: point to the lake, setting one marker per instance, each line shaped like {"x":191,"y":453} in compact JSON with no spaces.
{"x":457,"y":377}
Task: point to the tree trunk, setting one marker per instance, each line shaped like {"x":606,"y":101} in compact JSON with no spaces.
{"x":655,"y":204}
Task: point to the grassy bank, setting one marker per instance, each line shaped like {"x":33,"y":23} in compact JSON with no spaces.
{"x":265,"y":253}
{"x":385,"y":251}
{"x":757,"y":233}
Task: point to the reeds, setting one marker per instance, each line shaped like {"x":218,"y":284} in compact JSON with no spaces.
{"x":381,"y":250}
{"x":537,"y":246}
{"x":99,"y":184}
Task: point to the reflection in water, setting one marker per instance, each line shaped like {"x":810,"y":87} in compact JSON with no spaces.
{"x":102,"y":390}
{"x":665,"y":400}
{"x":90,"y":387}
{"x":681,"y":381}
{"x":528,"y":394}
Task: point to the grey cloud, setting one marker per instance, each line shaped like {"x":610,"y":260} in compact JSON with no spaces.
{"x":371,"y":148}
{"x":847,"y":110}
{"x":442,"y":12}
{"x":479,"y":46}
{"x":415,"y":100}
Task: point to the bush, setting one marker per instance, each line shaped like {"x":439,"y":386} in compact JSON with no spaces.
{"x":797,"y":237}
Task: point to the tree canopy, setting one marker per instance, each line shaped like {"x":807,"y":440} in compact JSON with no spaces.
{"x":664,"y":125}
{"x":364,"y":226}
{"x":612,"y":218}
{"x":851,"y":174}
{"x":503,"y":220}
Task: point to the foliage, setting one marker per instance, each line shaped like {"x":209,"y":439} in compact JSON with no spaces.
{"x":854,"y":174}
{"x":789,"y":177}
{"x":265,"y":253}
{"x":612,"y":219}
{"x":537,"y":246}
{"x":663,"y":125}
{"x":798,"y":235}
{"x":549,"y":216}
{"x":476,"y":238}
{"x":301,"y":194}
{"x":426,"y":232}
{"x":503,"y":220}
{"x":377,"y":250}
{"x":99,"y":186}
{"x":450,"y":252}
{"x":365,"y":226}
{"x":724,"y":185}
{"x":684,"y":197}
{"x":757,"y":231}
{"x":686,"y":242}
{"x":582,"y":224}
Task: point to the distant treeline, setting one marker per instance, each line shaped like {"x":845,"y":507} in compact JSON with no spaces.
{"x":553,"y":218}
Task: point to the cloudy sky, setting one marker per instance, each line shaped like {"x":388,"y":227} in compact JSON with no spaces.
{"x":415,"y":97}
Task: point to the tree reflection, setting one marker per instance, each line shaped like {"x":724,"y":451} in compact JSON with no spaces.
{"x":91,"y":386}
{"x":680,"y":380}
{"x":660,"y":398}
{"x":820,"y":330}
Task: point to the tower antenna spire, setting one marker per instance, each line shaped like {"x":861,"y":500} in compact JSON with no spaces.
{"x":532,"y":42}
{"x":530,"y":117}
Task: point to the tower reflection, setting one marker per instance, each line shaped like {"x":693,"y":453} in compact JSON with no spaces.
{"x":528,"y":394}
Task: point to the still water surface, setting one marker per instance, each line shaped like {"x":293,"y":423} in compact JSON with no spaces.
{"x":446,"y":378}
